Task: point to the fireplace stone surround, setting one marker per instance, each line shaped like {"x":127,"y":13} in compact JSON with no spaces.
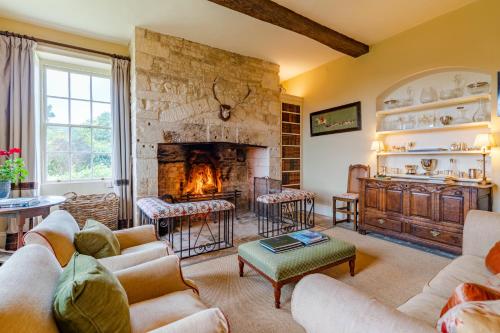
{"x":172,"y":103}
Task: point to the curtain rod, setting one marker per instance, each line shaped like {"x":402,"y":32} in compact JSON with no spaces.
{"x":45,"y":41}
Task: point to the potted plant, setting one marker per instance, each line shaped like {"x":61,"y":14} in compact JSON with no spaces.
{"x":12,"y":171}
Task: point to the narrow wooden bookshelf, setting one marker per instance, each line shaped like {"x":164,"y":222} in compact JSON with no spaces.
{"x":291,"y":108}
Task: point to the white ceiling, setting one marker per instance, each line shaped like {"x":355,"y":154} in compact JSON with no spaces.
{"x":369,"y":21}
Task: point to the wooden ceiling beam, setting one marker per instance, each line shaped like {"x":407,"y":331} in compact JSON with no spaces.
{"x":271,"y":12}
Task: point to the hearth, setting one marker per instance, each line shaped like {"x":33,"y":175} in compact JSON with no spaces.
{"x":197,"y":171}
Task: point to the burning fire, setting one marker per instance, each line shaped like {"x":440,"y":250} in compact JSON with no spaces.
{"x":202,"y":180}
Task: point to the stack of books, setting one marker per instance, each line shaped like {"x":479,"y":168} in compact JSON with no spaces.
{"x":293,"y":241}
{"x":18,"y":202}
{"x":281,"y":243}
{"x":308,"y":237}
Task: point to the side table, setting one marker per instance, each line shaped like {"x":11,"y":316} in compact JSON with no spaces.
{"x":22,"y":213}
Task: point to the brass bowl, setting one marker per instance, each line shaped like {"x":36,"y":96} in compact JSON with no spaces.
{"x":429,"y":165}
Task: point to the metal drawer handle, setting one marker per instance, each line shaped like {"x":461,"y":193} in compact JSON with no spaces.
{"x":435,"y":233}
{"x":381,"y":221}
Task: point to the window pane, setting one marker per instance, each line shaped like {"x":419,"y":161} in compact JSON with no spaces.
{"x":57,"y":83}
{"x":102,"y":166}
{"x":57,"y":110}
{"x":102,"y":140}
{"x":57,"y":139}
{"x":81,"y":167}
{"x":101,"y":89}
{"x":80,"y":112}
{"x":57,"y":166}
{"x":80,"y":86}
{"x":81,"y":139}
{"x":101,"y":114}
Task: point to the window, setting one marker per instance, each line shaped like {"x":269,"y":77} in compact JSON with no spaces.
{"x":76,"y":124}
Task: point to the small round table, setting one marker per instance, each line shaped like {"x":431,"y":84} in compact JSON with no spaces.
{"x":22,"y":213}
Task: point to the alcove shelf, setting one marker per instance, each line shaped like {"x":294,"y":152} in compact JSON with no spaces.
{"x":436,"y":105}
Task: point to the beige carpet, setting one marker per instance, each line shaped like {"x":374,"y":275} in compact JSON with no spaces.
{"x":390,"y":272}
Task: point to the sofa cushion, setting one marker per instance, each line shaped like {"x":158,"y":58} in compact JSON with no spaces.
{"x":206,"y":321}
{"x":461,"y":270}
{"x":132,"y":257}
{"x":492,"y":260}
{"x":161,"y":245}
{"x":89,"y":298}
{"x":157,"y":312}
{"x":424,"y":306}
{"x":56,"y":232}
{"x":26,"y":296}
{"x":97,"y":240}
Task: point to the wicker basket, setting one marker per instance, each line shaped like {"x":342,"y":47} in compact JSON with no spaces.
{"x":100,"y":207}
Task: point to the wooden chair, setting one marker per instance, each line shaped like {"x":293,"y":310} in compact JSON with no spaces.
{"x":351,"y":197}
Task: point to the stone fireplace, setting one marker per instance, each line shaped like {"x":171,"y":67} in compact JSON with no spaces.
{"x":181,"y":144}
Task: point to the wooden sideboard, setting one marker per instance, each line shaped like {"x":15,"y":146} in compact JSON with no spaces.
{"x":420,"y":211}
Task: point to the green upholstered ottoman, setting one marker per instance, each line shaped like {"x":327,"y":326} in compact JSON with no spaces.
{"x":291,"y":266}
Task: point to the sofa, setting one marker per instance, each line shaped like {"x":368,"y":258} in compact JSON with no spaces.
{"x":160,"y":301}
{"x":137,"y":245}
{"x":322,"y":304}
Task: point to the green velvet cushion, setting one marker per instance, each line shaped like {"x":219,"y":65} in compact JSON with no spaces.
{"x":295,"y":262}
{"x":89,"y":298}
{"x":97,"y":240}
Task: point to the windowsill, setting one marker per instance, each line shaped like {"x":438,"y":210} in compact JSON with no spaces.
{"x":90,"y":181}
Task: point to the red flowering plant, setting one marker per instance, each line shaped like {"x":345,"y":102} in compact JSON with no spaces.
{"x":13,"y":169}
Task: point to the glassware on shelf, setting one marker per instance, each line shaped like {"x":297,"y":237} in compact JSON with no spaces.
{"x":408,"y":100}
{"x":482,"y":113}
{"x":461,"y":119}
{"x":456,"y":91}
{"x":428,"y":95}
{"x":426,"y":120}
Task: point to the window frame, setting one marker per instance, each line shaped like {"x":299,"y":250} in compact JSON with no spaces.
{"x":77,"y":69}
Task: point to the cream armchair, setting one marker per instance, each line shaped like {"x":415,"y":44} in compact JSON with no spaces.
{"x":160,"y":301}
{"x":137,"y":245}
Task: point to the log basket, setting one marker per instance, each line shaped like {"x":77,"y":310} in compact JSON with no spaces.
{"x":100,"y":207}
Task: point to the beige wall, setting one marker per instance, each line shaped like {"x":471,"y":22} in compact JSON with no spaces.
{"x":468,"y":37}
{"x":62,"y":37}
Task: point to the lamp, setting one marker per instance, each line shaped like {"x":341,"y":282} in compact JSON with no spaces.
{"x":484,"y":141}
{"x":377,"y":146}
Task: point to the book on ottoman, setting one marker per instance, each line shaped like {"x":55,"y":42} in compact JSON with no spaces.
{"x":308,"y":237}
{"x":281,"y":243}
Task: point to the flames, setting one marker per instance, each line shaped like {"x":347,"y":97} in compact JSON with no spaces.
{"x":203,"y":180}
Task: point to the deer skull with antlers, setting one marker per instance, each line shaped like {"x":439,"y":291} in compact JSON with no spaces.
{"x":225,"y":109}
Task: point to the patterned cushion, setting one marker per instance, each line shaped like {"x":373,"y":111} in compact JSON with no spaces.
{"x":470,"y":292}
{"x":471,"y":317}
{"x":292,"y":263}
{"x":285,"y":196}
{"x":156,"y":208}
{"x":350,"y":196}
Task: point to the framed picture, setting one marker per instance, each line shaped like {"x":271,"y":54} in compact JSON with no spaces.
{"x":344,"y":118}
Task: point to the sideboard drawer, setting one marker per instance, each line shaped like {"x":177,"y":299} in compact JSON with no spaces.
{"x":384,"y":223}
{"x":437,"y":235}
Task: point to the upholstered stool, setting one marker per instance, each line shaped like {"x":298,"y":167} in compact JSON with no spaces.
{"x":291,"y":266}
{"x":284,"y":212}
{"x":160,"y":213}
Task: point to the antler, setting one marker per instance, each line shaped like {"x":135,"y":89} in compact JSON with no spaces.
{"x":213,"y":90}
{"x":244,"y":98}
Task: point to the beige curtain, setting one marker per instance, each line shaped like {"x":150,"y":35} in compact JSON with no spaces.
{"x":17,"y":98}
{"x":122,"y":168}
